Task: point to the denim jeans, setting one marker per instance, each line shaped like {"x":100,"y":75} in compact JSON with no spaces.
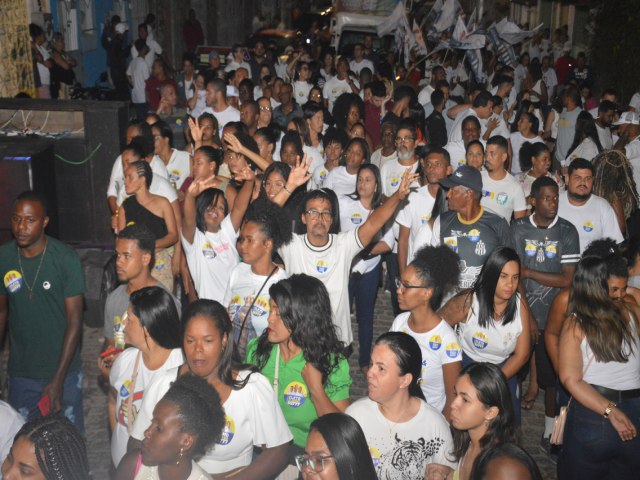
{"x":25,"y":393}
{"x":365,"y":290}
{"x":393,"y":272}
{"x":593,"y":449}
{"x":513,"y":384}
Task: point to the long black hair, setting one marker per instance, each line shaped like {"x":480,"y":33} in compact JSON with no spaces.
{"x":58,"y":447}
{"x":493,"y":391}
{"x":230,"y":362}
{"x":207,"y":198}
{"x":408,"y":358}
{"x":346,"y":442}
{"x":485,"y":287}
{"x":377,"y":195}
{"x":158,"y":314}
{"x":200,"y":410}
{"x":272,"y":220}
{"x":585,"y":128}
{"x":305,"y":309}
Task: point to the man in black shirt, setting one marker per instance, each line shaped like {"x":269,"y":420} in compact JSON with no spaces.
{"x":436,"y":128}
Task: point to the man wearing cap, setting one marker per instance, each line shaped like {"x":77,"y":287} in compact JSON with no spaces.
{"x":467,"y":228}
{"x":217,"y":104}
{"x":214,"y":63}
{"x":629,"y":142}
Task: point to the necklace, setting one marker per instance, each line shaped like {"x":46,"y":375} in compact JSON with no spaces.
{"x":35,"y":279}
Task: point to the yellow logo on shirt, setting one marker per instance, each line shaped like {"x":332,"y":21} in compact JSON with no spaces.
{"x":13,"y":281}
{"x":375,"y":456}
{"x":480,"y":340}
{"x":473,"y":235}
{"x":356,"y":219}
{"x":435,"y":342}
{"x":530,"y":249}
{"x":174,"y":175}
{"x":295,"y":394}
{"x":394,"y":181}
{"x":425,"y":218}
{"x":587,"y":226}
{"x":550,"y":251}
{"x":453,"y":350}
{"x":228,"y":431}
{"x":260,"y":307}
{"x":322,"y":266}
{"x":208,"y":251}
{"x":159,"y":265}
{"x":234,"y":305}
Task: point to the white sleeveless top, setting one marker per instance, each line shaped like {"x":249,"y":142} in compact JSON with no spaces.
{"x":614,"y":375}
{"x":493,"y":344}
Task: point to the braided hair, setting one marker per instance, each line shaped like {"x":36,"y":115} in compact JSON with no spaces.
{"x":613,"y":179}
{"x":59,"y":447}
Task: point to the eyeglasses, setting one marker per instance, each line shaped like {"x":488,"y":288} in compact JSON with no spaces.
{"x":313,"y":462}
{"x":404,"y":139}
{"x":315,"y":214}
{"x":403,"y":286}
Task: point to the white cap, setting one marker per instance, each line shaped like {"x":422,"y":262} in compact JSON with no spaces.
{"x":122,"y":27}
{"x":628,"y":118}
{"x":232,"y":91}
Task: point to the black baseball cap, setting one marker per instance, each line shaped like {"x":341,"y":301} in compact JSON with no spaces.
{"x":464,"y":176}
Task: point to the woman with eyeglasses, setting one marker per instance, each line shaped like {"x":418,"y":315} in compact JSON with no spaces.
{"x":301,"y":356}
{"x":365,"y":272}
{"x":253,"y":420}
{"x":336,"y":450}
{"x":430,"y":277}
{"x":209,"y":232}
{"x":493,"y":320}
{"x":396,"y":420}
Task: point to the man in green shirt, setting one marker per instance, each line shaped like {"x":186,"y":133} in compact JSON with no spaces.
{"x":41,"y":303}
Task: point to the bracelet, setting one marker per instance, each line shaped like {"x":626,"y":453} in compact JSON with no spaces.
{"x":287,"y":190}
{"x":607,"y":410}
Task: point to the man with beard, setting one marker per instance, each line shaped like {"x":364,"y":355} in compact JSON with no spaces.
{"x":501,"y":192}
{"x":606,"y":113}
{"x":592,"y":216}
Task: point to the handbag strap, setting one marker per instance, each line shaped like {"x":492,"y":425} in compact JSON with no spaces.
{"x":584,"y":372}
{"x":132,"y":385}
{"x":275,"y":375}
{"x":255,"y":297}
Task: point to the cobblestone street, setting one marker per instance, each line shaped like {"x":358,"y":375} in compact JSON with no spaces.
{"x":95,"y":402}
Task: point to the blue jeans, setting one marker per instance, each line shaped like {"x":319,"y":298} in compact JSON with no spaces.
{"x":593,"y":449}
{"x":512,"y":383}
{"x":25,"y":393}
{"x":365,"y":290}
{"x":393,"y":272}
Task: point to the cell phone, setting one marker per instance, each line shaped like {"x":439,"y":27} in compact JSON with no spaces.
{"x":44,"y":405}
{"x":110,"y":351}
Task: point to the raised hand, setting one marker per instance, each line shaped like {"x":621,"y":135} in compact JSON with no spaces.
{"x":199,"y":186}
{"x":246,"y":174}
{"x":233,"y":142}
{"x":300,"y":172}
{"x":405,"y":185}
{"x":195,"y":129}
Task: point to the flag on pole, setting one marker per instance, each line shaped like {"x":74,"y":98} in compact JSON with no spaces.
{"x":512,"y":33}
{"x":462,"y":40}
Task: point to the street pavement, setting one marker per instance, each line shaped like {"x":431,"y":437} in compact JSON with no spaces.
{"x":95,"y":401}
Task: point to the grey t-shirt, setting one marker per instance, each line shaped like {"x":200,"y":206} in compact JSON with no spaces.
{"x":566,"y":132}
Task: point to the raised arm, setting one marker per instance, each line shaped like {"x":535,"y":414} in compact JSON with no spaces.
{"x":553,"y":329}
{"x":384,"y":212}
{"x":244,"y":196}
{"x":236,"y":146}
{"x":189,"y":206}
{"x":299,"y":176}
{"x":457,"y":308}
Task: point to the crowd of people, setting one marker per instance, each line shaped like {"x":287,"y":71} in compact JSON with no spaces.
{"x":502,"y":218}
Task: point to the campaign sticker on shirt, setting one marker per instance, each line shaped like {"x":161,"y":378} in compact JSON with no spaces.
{"x":473,"y":235}
{"x":452,"y":243}
{"x":159,"y":265}
{"x":228,"y":431}
{"x":174,"y":176}
{"x":322,"y":266}
{"x":208,"y":251}
{"x":480,"y":340}
{"x":323,"y":175}
{"x":234,"y":305}
{"x":550,"y":251}
{"x":435,"y":342}
{"x":260,"y":307}
{"x":295,"y":394}
{"x":453,"y":350}
{"x":356,"y":218}
{"x":587,"y":226}
{"x":375,"y":456}
{"x":395,"y":181}
{"x":530,"y":249}
{"x":425,"y":218}
{"x":502,"y":198}
{"x":124,"y":389}
{"x":13,"y":281}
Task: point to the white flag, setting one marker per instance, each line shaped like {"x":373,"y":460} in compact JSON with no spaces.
{"x":512,"y":33}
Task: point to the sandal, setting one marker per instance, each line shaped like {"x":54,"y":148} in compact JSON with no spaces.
{"x":528,"y":400}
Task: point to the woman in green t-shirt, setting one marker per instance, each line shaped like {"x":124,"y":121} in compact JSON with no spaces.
{"x":301,"y":355}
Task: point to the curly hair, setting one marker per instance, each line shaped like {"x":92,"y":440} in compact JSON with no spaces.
{"x":58,"y":446}
{"x":200,"y":410}
{"x":613,"y":180}
{"x":305,"y":309}
{"x":273,"y":221}
{"x":439,"y":269}
{"x":342,"y":106}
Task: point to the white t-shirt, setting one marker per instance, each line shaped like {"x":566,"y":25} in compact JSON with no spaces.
{"x":403,"y":450}
{"x":502,"y":197}
{"x":341,"y":181}
{"x":159,"y":186}
{"x":378,"y":159}
{"x":301,"y":91}
{"x":456,"y":76}
{"x":253,"y":417}
{"x":517,"y":140}
{"x":635,"y":101}
{"x":43,"y":70}
{"x":318,"y":178}
{"x":492,"y":344}
{"x":439,"y":347}
{"x":457,"y":153}
{"x":116,"y":181}
{"x":151,"y":473}
{"x":154,"y":49}
{"x":356,"y":67}
{"x":178,"y":167}
{"x":456,"y":129}
{"x":139,"y":71}
{"x":211,"y":258}
{"x":391,"y":175}
{"x":424,"y":97}
{"x":120,"y":378}
{"x":593,"y":220}
{"x":352,"y":215}
{"x":243,"y":286}
{"x":424,"y":236}
{"x":330,"y":264}
{"x":632,"y":150}
{"x":11,"y":422}
{"x":229,"y":114}
{"x":333,"y":89}
{"x":587,"y":150}
{"x":605,"y":137}
{"x":314,"y":155}
{"x":550,"y":79}
{"x":416,"y":213}
{"x":233,"y":65}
